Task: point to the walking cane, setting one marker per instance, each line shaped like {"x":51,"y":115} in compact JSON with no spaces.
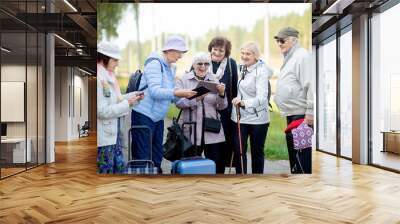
{"x":230,"y":166}
{"x":240,"y":140}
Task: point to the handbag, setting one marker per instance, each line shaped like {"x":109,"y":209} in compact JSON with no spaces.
{"x":177,"y":144}
{"x":302,"y":137}
{"x":211,"y":124}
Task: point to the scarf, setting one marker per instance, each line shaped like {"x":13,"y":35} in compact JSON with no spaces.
{"x":114,"y":78}
{"x":221,"y":68}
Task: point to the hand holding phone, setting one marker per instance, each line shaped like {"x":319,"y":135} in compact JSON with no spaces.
{"x":139,"y":93}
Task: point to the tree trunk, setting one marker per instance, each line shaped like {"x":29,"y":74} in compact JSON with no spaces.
{"x":138,"y":47}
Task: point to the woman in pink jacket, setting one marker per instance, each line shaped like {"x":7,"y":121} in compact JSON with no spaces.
{"x":205,"y":106}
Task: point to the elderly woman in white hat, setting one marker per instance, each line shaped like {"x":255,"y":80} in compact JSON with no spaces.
{"x":158,"y":82}
{"x":205,"y":106}
{"x":110,"y":106}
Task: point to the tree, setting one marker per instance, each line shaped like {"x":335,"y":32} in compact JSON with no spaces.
{"x":139,"y":49}
{"x":108,"y":18}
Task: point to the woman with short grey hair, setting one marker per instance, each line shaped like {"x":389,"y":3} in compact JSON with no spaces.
{"x":204,"y":106}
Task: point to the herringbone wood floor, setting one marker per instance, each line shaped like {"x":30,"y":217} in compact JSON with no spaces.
{"x":70,"y":191}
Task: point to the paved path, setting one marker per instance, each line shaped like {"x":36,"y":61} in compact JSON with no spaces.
{"x":270,"y":167}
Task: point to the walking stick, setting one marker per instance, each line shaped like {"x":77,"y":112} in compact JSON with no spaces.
{"x":230,"y":166}
{"x":239,"y":136}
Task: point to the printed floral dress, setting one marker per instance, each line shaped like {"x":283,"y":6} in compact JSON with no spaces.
{"x":110,"y":158}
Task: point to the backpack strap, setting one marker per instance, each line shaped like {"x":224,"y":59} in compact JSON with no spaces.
{"x":162,"y":71}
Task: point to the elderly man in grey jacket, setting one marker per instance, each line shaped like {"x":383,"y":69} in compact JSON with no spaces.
{"x":294,"y":94}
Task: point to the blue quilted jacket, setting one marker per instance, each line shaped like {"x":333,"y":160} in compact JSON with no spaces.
{"x":160,"y":91}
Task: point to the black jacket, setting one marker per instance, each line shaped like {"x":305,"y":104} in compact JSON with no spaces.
{"x":230,"y":80}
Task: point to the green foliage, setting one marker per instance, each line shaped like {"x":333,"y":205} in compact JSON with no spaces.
{"x":123,"y":83}
{"x":275,"y":147}
{"x":133,"y":55}
{"x":108,"y":18}
{"x":300,"y":22}
{"x":172,"y":112}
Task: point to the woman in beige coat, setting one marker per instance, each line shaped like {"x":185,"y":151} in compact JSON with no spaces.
{"x":209,"y":142}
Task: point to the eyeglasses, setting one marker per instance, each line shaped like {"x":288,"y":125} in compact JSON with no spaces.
{"x":205,"y":64}
{"x":280,"y":41}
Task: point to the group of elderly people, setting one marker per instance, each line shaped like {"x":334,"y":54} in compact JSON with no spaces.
{"x":242,"y":93}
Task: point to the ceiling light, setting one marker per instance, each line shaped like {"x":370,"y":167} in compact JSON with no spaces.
{"x":5,"y":49}
{"x":86,"y":72}
{"x":70,"y":5}
{"x":64,"y":40}
{"x":338,"y":6}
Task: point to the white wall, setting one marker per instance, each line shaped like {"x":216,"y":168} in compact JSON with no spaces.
{"x":33,"y":126}
{"x":71,"y":94}
{"x":61,"y":103}
{"x":14,"y":73}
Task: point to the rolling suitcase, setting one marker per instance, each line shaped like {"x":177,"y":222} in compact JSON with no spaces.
{"x":140,"y":167}
{"x":193,"y":165}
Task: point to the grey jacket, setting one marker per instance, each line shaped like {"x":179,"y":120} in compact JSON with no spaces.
{"x":194,"y":109}
{"x":294,"y":92}
{"x":253,"y":91}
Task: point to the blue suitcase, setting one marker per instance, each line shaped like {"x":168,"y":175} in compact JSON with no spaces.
{"x":193,"y":165}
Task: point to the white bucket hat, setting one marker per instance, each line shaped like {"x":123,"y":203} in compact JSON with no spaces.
{"x":175,"y":42}
{"x":109,"y":49}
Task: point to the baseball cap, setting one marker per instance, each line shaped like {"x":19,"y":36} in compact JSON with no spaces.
{"x":287,"y":32}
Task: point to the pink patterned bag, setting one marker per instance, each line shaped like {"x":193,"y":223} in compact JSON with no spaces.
{"x":302,"y":136}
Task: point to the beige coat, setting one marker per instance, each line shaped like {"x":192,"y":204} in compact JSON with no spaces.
{"x":212,"y":102}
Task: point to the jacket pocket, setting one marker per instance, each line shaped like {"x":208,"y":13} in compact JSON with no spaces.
{"x":108,"y":127}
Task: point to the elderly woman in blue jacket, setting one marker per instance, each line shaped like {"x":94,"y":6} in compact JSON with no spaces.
{"x":111,"y":105}
{"x":158,"y":82}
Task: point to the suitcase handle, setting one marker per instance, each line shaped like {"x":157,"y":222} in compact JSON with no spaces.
{"x":195,"y":133}
{"x":191,"y":158}
{"x":150,"y":140}
{"x":142,"y":160}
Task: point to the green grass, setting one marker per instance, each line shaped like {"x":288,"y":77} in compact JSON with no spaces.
{"x":123,"y":83}
{"x":275,"y":146}
{"x":172,"y":112}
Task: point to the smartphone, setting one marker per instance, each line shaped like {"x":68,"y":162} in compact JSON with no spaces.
{"x":140,"y":93}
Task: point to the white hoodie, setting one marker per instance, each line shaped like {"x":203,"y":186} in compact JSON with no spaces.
{"x":294,"y":91}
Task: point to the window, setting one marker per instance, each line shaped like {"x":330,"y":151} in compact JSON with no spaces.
{"x":385,"y":86}
{"x":22,"y":66}
{"x":327,"y":96}
{"x":346,"y":94}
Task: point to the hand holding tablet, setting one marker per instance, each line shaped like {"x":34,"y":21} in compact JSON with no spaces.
{"x":205,"y":87}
